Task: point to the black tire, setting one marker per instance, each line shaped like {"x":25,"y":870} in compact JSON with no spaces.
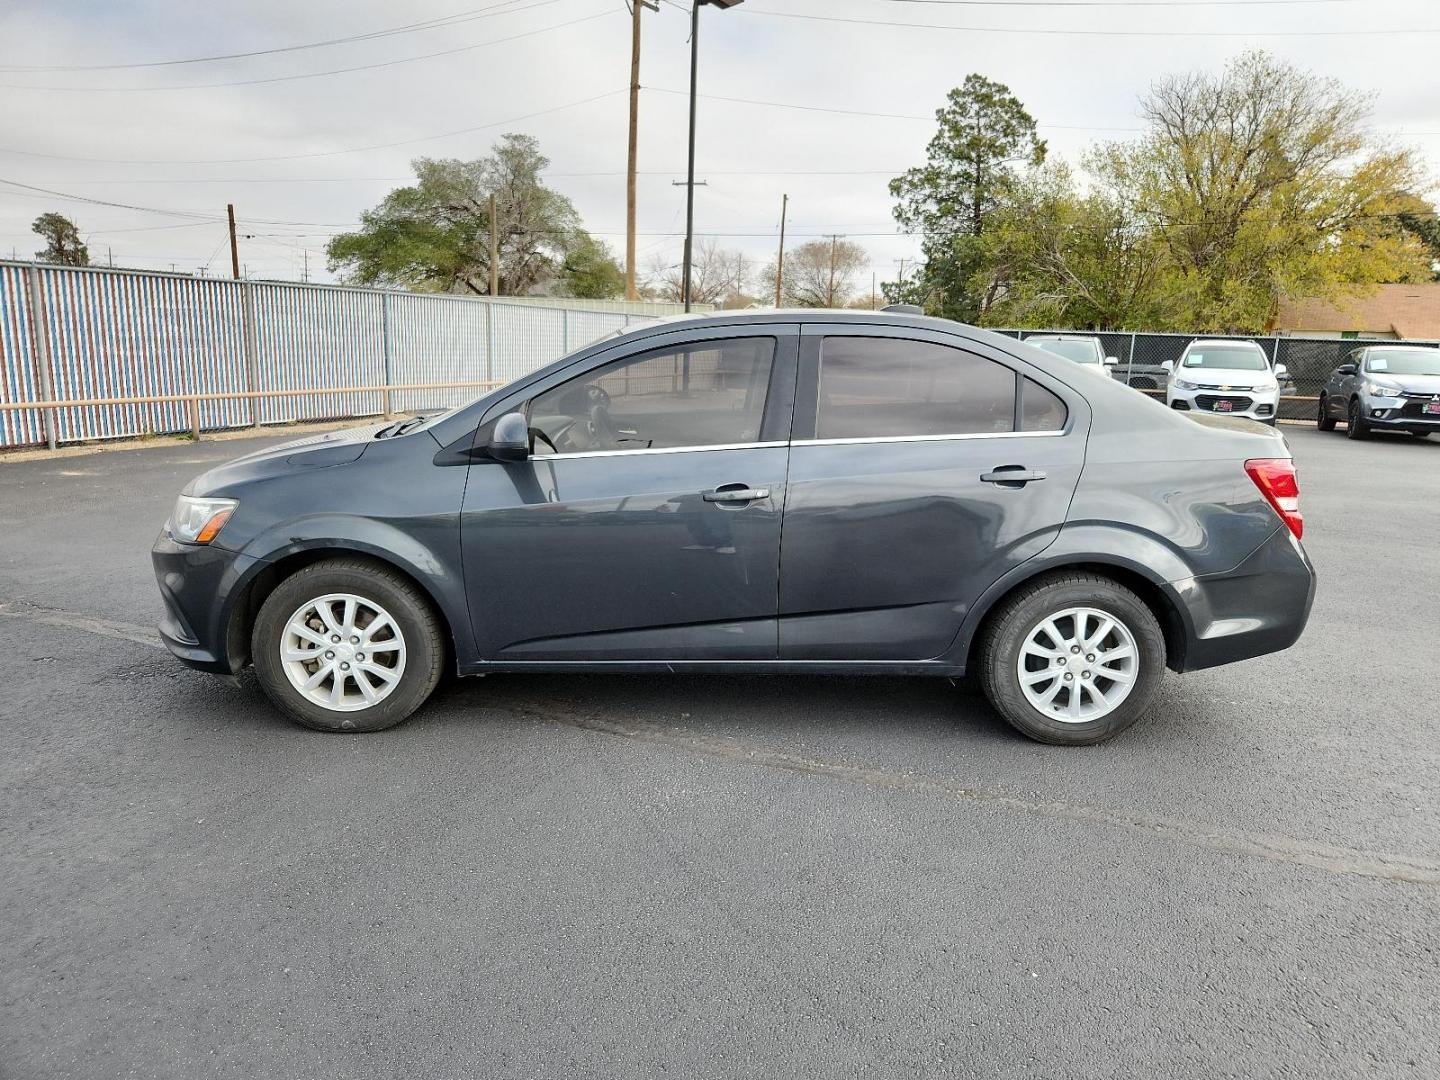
{"x":424,"y":645}
{"x":1323,"y":420}
{"x":1355,"y":426}
{"x":1017,"y":615}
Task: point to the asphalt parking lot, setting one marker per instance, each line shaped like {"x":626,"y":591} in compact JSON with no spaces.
{"x":711,"y":876}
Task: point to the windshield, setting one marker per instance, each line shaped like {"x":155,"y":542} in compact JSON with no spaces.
{"x":1404,"y":362}
{"x":1231,"y":357}
{"x":1082,"y":352}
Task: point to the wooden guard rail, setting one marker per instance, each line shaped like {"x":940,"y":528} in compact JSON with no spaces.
{"x":192,"y":401}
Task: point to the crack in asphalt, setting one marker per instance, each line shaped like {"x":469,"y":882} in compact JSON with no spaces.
{"x":1326,"y":857}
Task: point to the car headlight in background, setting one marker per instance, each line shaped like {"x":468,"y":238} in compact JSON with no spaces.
{"x":1376,"y":390}
{"x":1181,"y":384}
{"x":197,"y":521}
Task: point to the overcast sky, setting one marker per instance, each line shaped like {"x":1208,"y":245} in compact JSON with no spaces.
{"x":312,"y":152}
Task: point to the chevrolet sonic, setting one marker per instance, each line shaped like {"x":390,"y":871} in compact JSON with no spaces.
{"x":783,"y":491}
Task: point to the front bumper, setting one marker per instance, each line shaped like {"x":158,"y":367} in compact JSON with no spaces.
{"x":1259,"y":607}
{"x":1399,"y":414}
{"x":197,"y":585}
{"x":1248,"y":403}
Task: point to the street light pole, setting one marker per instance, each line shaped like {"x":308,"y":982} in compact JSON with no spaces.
{"x":695,"y":7}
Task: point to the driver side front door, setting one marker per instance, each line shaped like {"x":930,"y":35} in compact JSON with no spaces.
{"x":646,"y":523}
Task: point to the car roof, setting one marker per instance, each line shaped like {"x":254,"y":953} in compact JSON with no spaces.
{"x":1211,"y":342}
{"x":1059,"y":337}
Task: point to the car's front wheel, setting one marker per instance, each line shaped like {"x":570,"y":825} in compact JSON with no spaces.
{"x":1072,"y":658}
{"x":1355,"y":426}
{"x":347,"y":645}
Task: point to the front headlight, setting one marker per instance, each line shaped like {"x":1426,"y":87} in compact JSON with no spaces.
{"x":1376,"y":390}
{"x":1266,"y":387}
{"x":198,"y":521}
{"x":1181,"y":384}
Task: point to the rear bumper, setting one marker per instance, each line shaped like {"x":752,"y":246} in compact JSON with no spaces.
{"x":196,"y":582}
{"x":1259,"y":607}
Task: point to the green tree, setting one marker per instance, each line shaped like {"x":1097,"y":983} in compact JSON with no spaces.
{"x":1055,"y":257}
{"x":62,"y":241}
{"x":1262,"y":181}
{"x":969,"y":174}
{"x":434,"y":236}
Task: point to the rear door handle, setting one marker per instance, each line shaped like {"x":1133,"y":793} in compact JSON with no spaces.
{"x":1012,"y":475}
{"x":735,"y":495}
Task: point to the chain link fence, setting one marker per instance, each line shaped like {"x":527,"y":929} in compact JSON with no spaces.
{"x":1308,"y":361}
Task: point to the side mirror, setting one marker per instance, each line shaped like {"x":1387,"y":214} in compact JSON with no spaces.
{"x":1281,"y":371}
{"x":1169,"y":366}
{"x":510,"y":440}
{"x":1111,"y":361}
{"x":1346,"y":369}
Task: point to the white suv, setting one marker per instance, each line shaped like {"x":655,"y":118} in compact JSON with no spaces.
{"x":1232,"y":377}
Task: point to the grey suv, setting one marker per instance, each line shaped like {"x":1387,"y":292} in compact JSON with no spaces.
{"x":1384,"y":388}
{"x":753,"y":492}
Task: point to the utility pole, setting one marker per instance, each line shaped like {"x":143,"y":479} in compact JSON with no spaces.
{"x":780,"y":258}
{"x":494,"y":249}
{"x":635,"y":8}
{"x":835,"y":239}
{"x":234,"y":248}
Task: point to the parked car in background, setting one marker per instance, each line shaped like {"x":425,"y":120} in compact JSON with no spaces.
{"x":951,"y":500}
{"x":1230,"y":377}
{"x":1077,"y":348}
{"x":1384,"y":388}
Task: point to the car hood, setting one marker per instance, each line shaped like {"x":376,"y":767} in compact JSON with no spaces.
{"x":1223,"y":376}
{"x":315,"y":452}
{"x":1414,"y":384}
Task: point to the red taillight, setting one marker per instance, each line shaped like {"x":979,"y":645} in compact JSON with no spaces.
{"x":1275,"y":477}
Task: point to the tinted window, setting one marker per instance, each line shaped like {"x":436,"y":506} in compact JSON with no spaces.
{"x":1040,"y":410}
{"x":707,"y":394}
{"x":873,"y":387}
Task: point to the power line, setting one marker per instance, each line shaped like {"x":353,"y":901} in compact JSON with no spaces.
{"x":318,"y":153}
{"x":408,"y":28}
{"x":1119,"y":3}
{"x":928,"y":117}
{"x":317,"y":74}
{"x":1047,"y":32}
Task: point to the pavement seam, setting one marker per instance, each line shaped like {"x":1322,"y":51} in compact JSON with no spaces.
{"x":1329,"y":858}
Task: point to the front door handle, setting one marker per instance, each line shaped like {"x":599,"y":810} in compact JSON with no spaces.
{"x":735,"y":495}
{"x":1012,"y":475}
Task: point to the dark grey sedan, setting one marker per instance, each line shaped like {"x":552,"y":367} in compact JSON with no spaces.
{"x":754,"y":492}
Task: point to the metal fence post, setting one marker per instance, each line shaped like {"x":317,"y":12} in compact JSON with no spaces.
{"x":385,"y":347}
{"x":564,"y":331}
{"x":1130,"y":360}
{"x":40,"y":350}
{"x":252,"y":351}
{"x":489,"y":342}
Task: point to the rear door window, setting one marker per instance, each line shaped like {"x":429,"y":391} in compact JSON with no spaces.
{"x":875,"y":388}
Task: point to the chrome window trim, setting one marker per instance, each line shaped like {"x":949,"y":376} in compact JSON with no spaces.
{"x":930,"y":438}
{"x":659,"y":450}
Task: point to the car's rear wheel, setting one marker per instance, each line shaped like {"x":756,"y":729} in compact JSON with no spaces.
{"x":1072,"y":659}
{"x":1355,"y":426}
{"x":347,"y":645}
{"x":1323,"y":420}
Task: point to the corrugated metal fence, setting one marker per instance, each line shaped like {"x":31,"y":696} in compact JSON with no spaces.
{"x":69,"y":333}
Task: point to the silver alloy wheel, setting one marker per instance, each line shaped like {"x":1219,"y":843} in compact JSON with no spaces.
{"x":343,"y":652}
{"x":1078,"y":665}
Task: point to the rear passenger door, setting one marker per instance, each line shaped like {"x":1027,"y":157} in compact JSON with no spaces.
{"x":922,"y":468}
